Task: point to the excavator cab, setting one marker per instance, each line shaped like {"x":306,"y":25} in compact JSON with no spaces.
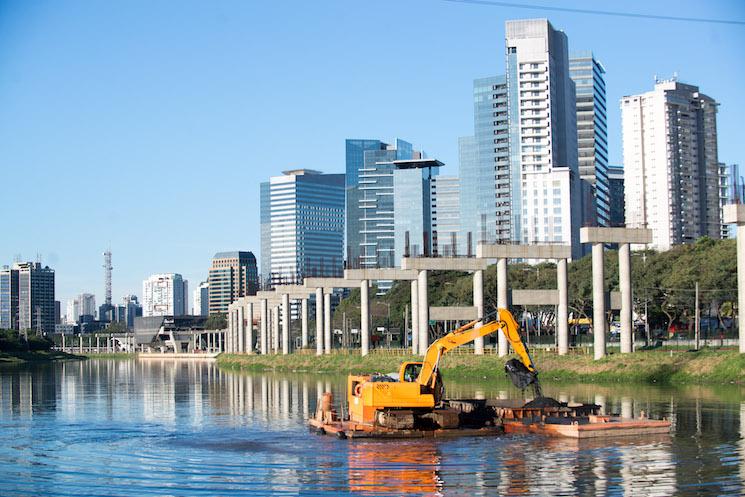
{"x":410,"y":371}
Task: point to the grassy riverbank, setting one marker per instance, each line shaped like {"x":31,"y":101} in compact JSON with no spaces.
{"x":654,"y":366}
{"x":111,"y":355}
{"x":18,"y":357}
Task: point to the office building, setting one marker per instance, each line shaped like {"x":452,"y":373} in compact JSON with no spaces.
{"x":27,"y":297}
{"x":302,"y":227}
{"x":129,"y":310}
{"x":8,"y":298}
{"x":412,"y":207}
{"x":730,"y":192}
{"x":164,"y":295}
{"x":519,"y":175}
{"x":369,"y":200}
{"x":201,"y":300}
{"x":231,"y":276}
{"x":616,"y":197}
{"x":588,"y":75}
{"x":80,"y":305}
{"x":446,"y":230}
{"x":671,"y":163}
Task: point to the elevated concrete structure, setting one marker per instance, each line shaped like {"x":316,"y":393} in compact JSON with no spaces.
{"x":624,"y":237}
{"x":424,"y":264}
{"x":559,"y":297}
{"x":735,"y":214}
{"x":372,"y":274}
{"x":453,"y":313}
{"x":507,"y":251}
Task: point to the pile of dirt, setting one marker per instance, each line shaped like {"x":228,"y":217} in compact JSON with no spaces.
{"x":542,"y":402}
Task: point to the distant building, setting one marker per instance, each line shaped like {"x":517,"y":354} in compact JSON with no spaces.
{"x":370,"y":197}
{"x":164,"y":295}
{"x":302,"y":226}
{"x":730,"y":192}
{"x":412,"y":207}
{"x":27,"y":297}
{"x":519,"y":174}
{"x":128,"y":311}
{"x":446,"y":231}
{"x":80,"y":305}
{"x":232,"y":275}
{"x":201,"y":300}
{"x":57,"y":312}
{"x":616,"y":196}
{"x":672,"y":177}
{"x":588,"y":75}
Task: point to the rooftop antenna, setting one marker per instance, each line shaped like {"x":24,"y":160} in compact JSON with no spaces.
{"x":38,"y":258}
{"x":107,"y":272}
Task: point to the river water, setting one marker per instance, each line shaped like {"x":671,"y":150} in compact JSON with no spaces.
{"x":135,"y":428}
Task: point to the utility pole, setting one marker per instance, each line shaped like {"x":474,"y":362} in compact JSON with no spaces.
{"x":697,"y":324}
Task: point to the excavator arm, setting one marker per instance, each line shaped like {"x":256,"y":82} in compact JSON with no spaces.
{"x":469,"y":332}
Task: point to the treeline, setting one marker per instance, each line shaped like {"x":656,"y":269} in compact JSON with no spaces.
{"x":15,"y":341}
{"x":663,"y":283}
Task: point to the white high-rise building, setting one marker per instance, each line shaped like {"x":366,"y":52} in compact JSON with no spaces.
{"x":80,"y":305}
{"x":543,"y":134}
{"x":201,"y":300}
{"x":671,"y":166}
{"x":165,"y":295}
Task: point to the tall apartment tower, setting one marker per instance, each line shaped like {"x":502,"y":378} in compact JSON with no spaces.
{"x":671,"y":163}
{"x":232,"y":275}
{"x":616,"y":196}
{"x":543,"y":133}
{"x":302,"y":226}
{"x":164,"y":295}
{"x":588,"y":75}
{"x":27,"y":297}
{"x":201,"y":300}
{"x":519,"y":172}
{"x":369,"y":200}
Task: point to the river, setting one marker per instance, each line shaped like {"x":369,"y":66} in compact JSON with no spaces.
{"x":137,"y":428}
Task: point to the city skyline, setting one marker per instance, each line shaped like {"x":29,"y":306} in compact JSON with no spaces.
{"x":105,"y":131}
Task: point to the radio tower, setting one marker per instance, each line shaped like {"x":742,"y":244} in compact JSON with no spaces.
{"x":107,"y":267}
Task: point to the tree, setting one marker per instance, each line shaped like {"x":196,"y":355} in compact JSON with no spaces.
{"x":218,"y":321}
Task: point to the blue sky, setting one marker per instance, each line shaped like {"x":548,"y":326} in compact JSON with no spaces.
{"x":147,"y":126}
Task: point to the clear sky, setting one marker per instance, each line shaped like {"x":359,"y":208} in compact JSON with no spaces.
{"x":147,"y":126}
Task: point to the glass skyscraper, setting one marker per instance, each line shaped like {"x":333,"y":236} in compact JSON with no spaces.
{"x":302,"y":226}
{"x":446,"y":239}
{"x":27,"y":297}
{"x":588,"y":75}
{"x":369,"y":200}
{"x":231,"y":276}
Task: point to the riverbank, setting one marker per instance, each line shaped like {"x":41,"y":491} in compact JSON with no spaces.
{"x":37,"y":356}
{"x":652,"y":366}
{"x":111,"y":355}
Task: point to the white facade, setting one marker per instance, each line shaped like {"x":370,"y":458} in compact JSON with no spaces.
{"x":83,"y":304}
{"x":164,"y":295}
{"x":543,"y":133}
{"x":201,"y":300}
{"x":670,"y":162}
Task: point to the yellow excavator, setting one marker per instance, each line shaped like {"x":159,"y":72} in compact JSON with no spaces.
{"x":397,"y":402}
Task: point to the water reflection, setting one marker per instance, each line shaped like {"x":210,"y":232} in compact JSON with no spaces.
{"x":162,"y":428}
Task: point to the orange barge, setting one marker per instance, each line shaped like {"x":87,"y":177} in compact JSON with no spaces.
{"x":482,"y":417}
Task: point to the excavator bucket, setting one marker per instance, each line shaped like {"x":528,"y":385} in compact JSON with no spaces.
{"x":519,"y":374}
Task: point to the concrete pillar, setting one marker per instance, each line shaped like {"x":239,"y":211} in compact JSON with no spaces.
{"x":231,"y":325}
{"x":598,"y":301}
{"x":250,"y":328}
{"x":98,"y":344}
{"x":741,"y":285}
{"x":263,"y":329}
{"x":319,"y":321}
{"x":275,"y":329}
{"x":63,"y":342}
{"x":80,"y":346}
{"x":414,"y":317}
{"x":502,"y":345}
{"x":304,"y":323}
{"x":562,"y":311}
{"x":423,"y":305}
{"x":364,"y":318}
{"x":627,"y":407}
{"x":327,"y":322}
{"x":241,"y":331}
{"x":478,"y":303}
{"x":624,"y":279}
{"x":220,"y":340}
{"x":285,"y":324}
